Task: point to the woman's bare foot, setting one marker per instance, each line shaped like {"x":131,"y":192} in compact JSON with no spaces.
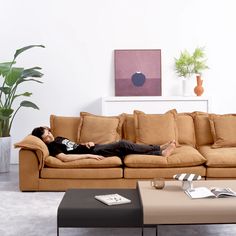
{"x":165,"y":145}
{"x":170,"y":148}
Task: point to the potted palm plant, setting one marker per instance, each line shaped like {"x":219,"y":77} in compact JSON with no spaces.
{"x":188,"y":65}
{"x":13,"y":77}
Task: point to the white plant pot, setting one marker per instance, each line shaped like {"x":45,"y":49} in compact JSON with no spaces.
{"x":5,"y":154}
{"x":188,"y":86}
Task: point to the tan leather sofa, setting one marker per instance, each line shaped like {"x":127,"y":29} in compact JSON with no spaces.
{"x":206,"y":146}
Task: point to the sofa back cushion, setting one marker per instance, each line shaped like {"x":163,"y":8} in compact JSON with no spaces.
{"x":223,"y":129}
{"x":155,"y":129}
{"x":186,"y":130}
{"x":65,"y":126}
{"x":99,"y":129}
{"x":184,"y":122}
{"x":129,"y":128}
{"x":202,"y":128}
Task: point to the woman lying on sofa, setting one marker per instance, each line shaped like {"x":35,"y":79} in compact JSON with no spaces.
{"x":67,"y":150}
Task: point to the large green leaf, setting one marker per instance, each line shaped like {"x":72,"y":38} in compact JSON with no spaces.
{"x":19,"y":51}
{"x":13,"y":75}
{"x":29,"y":104}
{"x":31,"y":73}
{"x":5,"y":90}
{"x":36,"y":68}
{"x":26,"y":94}
{"x":5,"y":65}
{"x":5,"y":113}
{"x":25,"y":80}
{"x":4,"y":68}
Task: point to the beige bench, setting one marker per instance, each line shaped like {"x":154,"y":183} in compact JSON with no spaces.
{"x":172,"y":206}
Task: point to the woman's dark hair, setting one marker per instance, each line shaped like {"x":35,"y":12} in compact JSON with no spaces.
{"x":39,"y":131}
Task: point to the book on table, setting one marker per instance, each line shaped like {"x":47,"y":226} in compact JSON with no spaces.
{"x":112,"y":199}
{"x":214,"y":192}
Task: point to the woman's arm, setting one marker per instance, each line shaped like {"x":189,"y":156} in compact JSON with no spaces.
{"x":72,"y":157}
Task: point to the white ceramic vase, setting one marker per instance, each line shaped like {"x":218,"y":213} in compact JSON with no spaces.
{"x":188,"y":86}
{"x":5,"y":154}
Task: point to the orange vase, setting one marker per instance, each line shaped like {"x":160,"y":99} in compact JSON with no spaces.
{"x":199,"y":89}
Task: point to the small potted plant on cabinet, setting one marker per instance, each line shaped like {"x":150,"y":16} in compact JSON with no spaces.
{"x":189,"y":65}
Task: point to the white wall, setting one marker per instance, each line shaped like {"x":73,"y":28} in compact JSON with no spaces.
{"x":80,"y":36}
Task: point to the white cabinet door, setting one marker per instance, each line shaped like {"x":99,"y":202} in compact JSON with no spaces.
{"x":155,"y":105}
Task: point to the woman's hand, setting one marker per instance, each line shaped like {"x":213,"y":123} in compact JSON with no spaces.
{"x":89,"y":144}
{"x":97,"y":157}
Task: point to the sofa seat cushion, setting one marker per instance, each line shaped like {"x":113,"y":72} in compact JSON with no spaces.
{"x":183,"y":156}
{"x":221,"y":172}
{"x":84,"y":163}
{"x":220,"y":157}
{"x":83,"y":173}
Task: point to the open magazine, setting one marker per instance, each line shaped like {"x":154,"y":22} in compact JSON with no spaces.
{"x":112,"y":199}
{"x":214,"y":192}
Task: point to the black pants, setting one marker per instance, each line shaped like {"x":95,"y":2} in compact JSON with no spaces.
{"x":123,"y":148}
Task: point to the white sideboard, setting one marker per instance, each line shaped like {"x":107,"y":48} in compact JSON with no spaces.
{"x":155,"y":105}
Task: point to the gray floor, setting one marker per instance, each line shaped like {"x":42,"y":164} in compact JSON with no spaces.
{"x":9,"y":182}
{"x":11,"y":176}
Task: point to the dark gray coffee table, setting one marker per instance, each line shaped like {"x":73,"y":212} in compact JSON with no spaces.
{"x":79,"y":208}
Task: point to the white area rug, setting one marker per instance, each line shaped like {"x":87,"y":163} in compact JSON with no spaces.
{"x":34,"y":214}
{"x":28,"y":213}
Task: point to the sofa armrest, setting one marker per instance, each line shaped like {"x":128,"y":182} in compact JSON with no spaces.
{"x":34,"y":144}
{"x":28,"y":170}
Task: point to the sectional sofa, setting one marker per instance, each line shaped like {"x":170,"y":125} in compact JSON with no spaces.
{"x":206,"y":145}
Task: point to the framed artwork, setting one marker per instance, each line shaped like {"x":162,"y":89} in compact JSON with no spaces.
{"x":138,"y":72}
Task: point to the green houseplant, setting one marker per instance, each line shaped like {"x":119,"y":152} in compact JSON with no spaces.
{"x":188,"y":64}
{"x":11,"y":78}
